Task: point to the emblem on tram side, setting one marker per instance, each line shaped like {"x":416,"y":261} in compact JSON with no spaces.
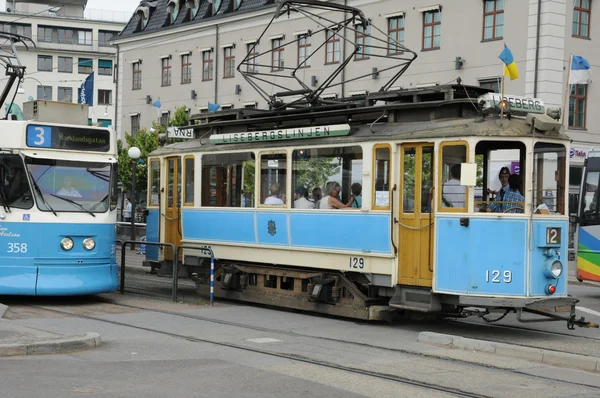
{"x":272,"y":228}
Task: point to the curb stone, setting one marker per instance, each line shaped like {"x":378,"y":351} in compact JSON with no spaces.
{"x":556,"y":358}
{"x":53,"y":346}
{"x":3,"y":309}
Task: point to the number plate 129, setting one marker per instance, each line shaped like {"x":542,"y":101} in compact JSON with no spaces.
{"x":358,"y":263}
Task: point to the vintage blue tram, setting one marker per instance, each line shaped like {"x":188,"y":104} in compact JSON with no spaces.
{"x":274,"y":195}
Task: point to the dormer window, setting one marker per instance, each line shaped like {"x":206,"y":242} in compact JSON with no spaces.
{"x":193,"y":7}
{"x":236,"y":4}
{"x":143,"y":14}
{"x":173,"y":7}
{"x":216,"y":6}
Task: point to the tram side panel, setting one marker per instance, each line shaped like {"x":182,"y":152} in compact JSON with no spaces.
{"x":152,"y":234}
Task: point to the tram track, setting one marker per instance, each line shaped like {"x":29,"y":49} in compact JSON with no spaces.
{"x":288,"y":356}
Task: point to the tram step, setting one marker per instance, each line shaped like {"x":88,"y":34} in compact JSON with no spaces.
{"x":415,"y":299}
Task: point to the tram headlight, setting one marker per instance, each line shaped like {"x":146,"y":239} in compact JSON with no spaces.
{"x":89,"y":243}
{"x":66,"y":244}
{"x":553,"y":269}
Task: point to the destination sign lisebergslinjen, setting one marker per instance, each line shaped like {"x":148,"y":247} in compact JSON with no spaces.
{"x":70,"y":138}
{"x":517,"y":104}
{"x":282,"y":134}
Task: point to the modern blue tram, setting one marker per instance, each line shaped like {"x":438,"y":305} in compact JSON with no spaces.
{"x":443,"y":208}
{"x":58,"y":209}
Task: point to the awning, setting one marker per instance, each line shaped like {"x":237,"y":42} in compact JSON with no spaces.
{"x":104,"y":63}
{"x":435,"y":7}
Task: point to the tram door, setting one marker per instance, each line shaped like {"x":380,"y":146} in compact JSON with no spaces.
{"x":172,"y":215}
{"x":415,"y":258}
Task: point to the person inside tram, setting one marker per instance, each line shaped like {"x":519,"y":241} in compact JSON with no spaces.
{"x":512,"y":200}
{"x":68,"y":190}
{"x":453,"y":194}
{"x":356,"y":198}
{"x":503,"y":176}
{"x":331,"y":201}
{"x":274,"y":198}
{"x":317,"y":195}
{"x":302,"y":201}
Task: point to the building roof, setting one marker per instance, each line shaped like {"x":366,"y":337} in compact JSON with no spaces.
{"x":158,"y":12}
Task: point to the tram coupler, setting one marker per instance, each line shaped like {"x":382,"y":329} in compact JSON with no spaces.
{"x":581,"y":322}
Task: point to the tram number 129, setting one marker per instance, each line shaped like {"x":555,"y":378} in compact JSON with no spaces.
{"x":496,"y":276}
{"x":357,"y":262}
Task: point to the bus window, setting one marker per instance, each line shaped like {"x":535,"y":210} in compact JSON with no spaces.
{"x":114,"y":186}
{"x":15,"y":188}
{"x":590,"y":203}
{"x":154,"y":183}
{"x":273,"y":174}
{"x":452,"y":195}
{"x":549,"y":165}
{"x":222,"y":179}
{"x":316,"y":171}
{"x":381,"y":177}
{"x":188,"y":188}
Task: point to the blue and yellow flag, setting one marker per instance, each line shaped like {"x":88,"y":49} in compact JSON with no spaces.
{"x":510,"y":66}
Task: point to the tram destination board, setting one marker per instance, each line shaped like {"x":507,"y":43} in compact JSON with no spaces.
{"x":69,"y":138}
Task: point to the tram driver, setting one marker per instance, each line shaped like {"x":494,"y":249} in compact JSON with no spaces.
{"x":512,"y":200}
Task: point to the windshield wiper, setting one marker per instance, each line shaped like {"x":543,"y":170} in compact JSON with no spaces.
{"x":38,"y":189}
{"x":94,"y":207}
{"x":75,"y":203}
{"x":5,"y":204}
{"x":99,"y":174}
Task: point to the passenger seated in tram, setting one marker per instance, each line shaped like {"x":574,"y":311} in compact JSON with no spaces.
{"x":317,"y":195}
{"x":302,"y":201}
{"x":356,"y":198}
{"x":453,"y":194}
{"x":331,"y":201}
{"x":503,"y":176}
{"x":512,"y":200}
{"x":274,"y":198}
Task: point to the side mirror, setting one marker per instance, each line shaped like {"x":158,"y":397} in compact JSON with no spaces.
{"x":574,"y":219}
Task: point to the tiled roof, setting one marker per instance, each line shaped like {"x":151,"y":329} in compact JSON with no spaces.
{"x":159,"y":13}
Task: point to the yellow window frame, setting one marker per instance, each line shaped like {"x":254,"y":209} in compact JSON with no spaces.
{"x":258,"y":175}
{"x":373,"y":193}
{"x":184,"y":179}
{"x":440,"y":208}
{"x":149,"y":183}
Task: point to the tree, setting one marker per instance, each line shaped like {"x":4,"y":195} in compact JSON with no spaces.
{"x":314,"y":172}
{"x":147,"y":141}
{"x":180,"y":117}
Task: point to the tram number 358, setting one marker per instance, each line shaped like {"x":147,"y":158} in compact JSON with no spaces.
{"x":16,"y":248}
{"x":496,"y":276}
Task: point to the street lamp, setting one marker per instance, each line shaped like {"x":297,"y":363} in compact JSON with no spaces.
{"x":134,"y":153}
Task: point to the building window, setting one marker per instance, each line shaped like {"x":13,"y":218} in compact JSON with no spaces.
{"x":45,"y":63}
{"x":362,"y":41}
{"x":493,"y":19}
{"x":44,"y":34}
{"x":276,"y":55}
{"x":65,"y":94}
{"x":577,"y":106}
{"x":104,"y":97}
{"x":252,"y":51}
{"x":65,"y":64}
{"x":395,"y":35}
{"x":105,"y":67}
{"x":493,"y":84}
{"x":303,"y":51}
{"x":44,"y":93}
{"x":432,"y":29}
{"x":104,"y":37}
{"x":166,"y":71}
{"x":137,"y":76}
{"x":581,"y":18}
{"x":229,"y":65}
{"x":65,"y":36}
{"x":186,"y":69}
{"x":135,"y":124}
{"x":17,"y":29}
{"x":86,"y":65}
{"x":332,"y":48}
{"x":165,"y":117}
{"x":84,"y":37}
{"x":207,"y":65}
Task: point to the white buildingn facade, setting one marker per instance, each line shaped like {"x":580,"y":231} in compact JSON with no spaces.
{"x":68,"y":47}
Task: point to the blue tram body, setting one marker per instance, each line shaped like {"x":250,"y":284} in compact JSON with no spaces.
{"x":422,"y":239}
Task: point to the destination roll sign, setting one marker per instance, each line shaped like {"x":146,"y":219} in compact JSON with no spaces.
{"x":70,"y":138}
{"x":516,"y":104}
{"x":282,"y":134}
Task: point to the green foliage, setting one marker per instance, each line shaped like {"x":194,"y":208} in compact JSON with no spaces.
{"x":147,"y":142}
{"x":479,"y":161}
{"x":180,"y":118}
{"x":314,"y":172}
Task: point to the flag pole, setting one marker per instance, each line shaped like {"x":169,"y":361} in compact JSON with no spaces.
{"x":502,"y":97}
{"x":564,"y":109}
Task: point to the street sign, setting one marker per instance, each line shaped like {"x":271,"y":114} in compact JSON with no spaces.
{"x":174,"y":132}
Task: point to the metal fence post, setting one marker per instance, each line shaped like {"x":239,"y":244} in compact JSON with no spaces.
{"x":212,"y":277}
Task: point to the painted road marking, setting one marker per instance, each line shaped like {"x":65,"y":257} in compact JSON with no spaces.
{"x":587,"y":310}
{"x":262,"y":340}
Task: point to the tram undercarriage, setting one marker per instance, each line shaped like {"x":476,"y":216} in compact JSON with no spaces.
{"x":350,"y":295}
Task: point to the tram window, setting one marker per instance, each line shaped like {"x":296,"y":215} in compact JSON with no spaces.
{"x":188,"y":188}
{"x":381,"y":177}
{"x":154,"y":198}
{"x":452,"y":195}
{"x":318,"y":170}
{"x":15,"y":191}
{"x":549,"y":165}
{"x":228,"y":180}
{"x":273,"y":172}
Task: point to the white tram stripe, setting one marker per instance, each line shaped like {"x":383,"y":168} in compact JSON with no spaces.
{"x":587,"y":310}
